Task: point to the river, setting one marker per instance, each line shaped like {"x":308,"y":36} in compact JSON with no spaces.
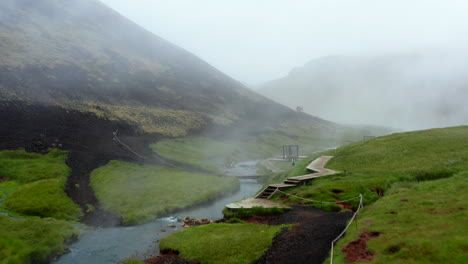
{"x":111,"y":245}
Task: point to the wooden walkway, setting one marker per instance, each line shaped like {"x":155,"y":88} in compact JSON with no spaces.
{"x":261,"y":199}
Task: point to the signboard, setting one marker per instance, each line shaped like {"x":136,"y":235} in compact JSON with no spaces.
{"x":290,"y":151}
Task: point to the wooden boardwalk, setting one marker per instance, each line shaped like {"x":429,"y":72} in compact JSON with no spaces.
{"x":261,"y":199}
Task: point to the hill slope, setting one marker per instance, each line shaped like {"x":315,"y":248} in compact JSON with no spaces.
{"x":406,"y":91}
{"x":413,"y":185}
{"x":83,"y":55}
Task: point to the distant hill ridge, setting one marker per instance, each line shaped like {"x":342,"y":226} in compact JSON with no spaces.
{"x":409,"y":91}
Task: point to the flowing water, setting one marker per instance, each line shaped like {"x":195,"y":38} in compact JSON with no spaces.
{"x":111,"y":245}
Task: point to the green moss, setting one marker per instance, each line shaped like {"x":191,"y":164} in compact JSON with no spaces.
{"x":26,"y":167}
{"x":33,"y":240}
{"x":141,"y":193}
{"x":222,"y":243}
{"x":33,"y":185}
{"x":44,"y":198}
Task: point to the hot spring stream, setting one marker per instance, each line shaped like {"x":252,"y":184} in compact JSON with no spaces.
{"x":111,"y":245}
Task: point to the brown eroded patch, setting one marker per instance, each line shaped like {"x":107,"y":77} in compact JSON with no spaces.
{"x":3,"y":179}
{"x":357,"y":250}
{"x":345,"y":205}
{"x":404,"y":201}
{"x":391,"y":212}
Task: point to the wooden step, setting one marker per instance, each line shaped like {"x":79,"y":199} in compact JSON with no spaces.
{"x":292,"y":181}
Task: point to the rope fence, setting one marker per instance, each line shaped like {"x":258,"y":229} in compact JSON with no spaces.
{"x":344,"y":231}
{"x":315,"y":201}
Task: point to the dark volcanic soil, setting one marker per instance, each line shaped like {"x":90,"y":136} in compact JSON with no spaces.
{"x":308,"y":241}
{"x":88,"y":138}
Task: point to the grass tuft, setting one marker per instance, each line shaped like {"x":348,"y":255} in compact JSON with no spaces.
{"x":222,"y":243}
{"x":33,"y":240}
{"x":44,"y":198}
{"x":27,"y":167}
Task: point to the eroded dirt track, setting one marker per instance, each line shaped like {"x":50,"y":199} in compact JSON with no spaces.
{"x":308,"y":241}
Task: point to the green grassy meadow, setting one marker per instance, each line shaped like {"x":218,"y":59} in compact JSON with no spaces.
{"x":32,"y":189}
{"x":25,"y":167}
{"x":44,"y":198}
{"x":33,"y":240}
{"x":141,"y":193}
{"x":414,"y":187}
{"x":222,"y":243}
{"x":371,"y":167}
{"x":213,"y":154}
{"x":418,"y":223}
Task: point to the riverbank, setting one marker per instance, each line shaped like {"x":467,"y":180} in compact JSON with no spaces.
{"x":109,"y":245}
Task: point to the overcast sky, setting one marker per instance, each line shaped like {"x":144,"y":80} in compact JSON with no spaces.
{"x":255,"y":41}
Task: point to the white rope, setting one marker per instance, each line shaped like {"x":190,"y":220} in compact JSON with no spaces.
{"x":123,"y":144}
{"x":342,"y":233}
{"x":315,"y":201}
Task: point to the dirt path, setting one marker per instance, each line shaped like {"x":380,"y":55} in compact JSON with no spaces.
{"x":308,"y":241}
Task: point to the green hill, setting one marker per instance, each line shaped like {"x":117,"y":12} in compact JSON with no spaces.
{"x":413,"y":185}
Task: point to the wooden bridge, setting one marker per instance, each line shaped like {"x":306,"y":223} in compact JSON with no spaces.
{"x":261,"y":199}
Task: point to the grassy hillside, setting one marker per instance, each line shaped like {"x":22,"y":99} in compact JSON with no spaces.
{"x":413,"y":185}
{"x":417,"y":223}
{"x":141,"y":193}
{"x":239,"y":243}
{"x":213,"y":153}
{"x":371,"y":167}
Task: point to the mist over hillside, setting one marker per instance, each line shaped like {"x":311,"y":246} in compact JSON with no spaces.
{"x":405,"y":91}
{"x":85,"y":56}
